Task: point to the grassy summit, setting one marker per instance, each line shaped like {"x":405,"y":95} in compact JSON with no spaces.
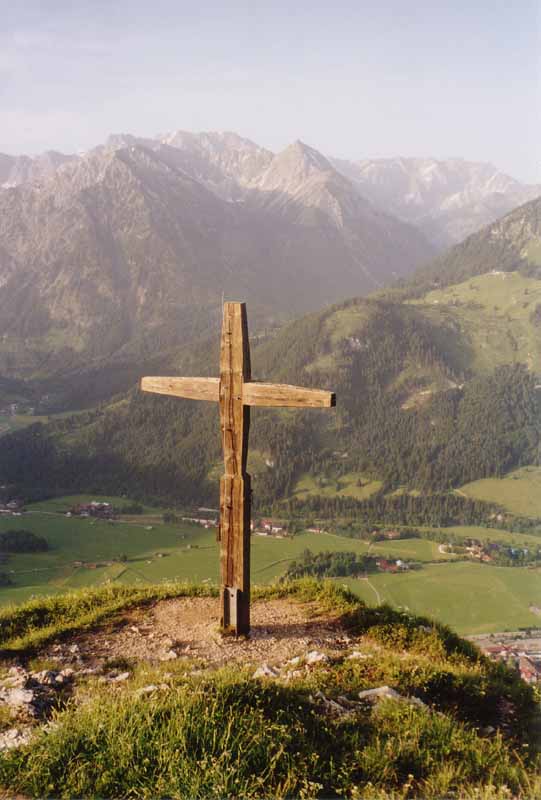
{"x":193,"y":727}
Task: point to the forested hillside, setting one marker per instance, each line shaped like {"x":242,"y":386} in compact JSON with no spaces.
{"x":511,"y":243}
{"x":415,"y":408}
{"x":437,"y":385}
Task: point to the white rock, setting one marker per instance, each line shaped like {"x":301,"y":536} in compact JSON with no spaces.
{"x":169,"y":656}
{"x":335,"y":709}
{"x":18,"y":697}
{"x":265,"y":671}
{"x":48,"y":677}
{"x":315,"y":657}
{"x":143,"y":690}
{"x":380,"y":691}
{"x":386,"y":692}
{"x":67,"y":672}
{"x":294,"y":673}
{"x":294,"y":661}
{"x":14,"y":737}
{"x":357,"y":655}
{"x":122,"y":677}
{"x":332,"y":707}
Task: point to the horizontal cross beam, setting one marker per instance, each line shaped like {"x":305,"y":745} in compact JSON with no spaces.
{"x":254,"y":393}
{"x":235,"y":392}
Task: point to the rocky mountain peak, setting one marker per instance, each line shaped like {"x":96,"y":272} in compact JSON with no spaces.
{"x":294,"y":166}
{"x":225,"y":161}
{"x":16,"y":170}
{"x":447,"y":198}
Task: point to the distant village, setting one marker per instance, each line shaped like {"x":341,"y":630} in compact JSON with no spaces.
{"x":206,"y":518}
{"x":520,"y":650}
{"x":259,"y":527}
{"x":485,"y":552}
{"x":92,"y":509}
{"x":492,"y":552}
{"x":41,"y":406}
{"x":13,"y":508}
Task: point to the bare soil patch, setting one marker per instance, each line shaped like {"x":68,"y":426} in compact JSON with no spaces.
{"x":188,"y":627}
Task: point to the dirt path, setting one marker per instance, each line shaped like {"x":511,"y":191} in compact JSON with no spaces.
{"x":188,"y":627}
{"x":378,"y":598}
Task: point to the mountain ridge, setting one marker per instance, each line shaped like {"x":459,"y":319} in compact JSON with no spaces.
{"x":448,"y":199}
{"x":122,"y":243}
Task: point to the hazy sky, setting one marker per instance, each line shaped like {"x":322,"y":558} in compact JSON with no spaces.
{"x":354,"y":79}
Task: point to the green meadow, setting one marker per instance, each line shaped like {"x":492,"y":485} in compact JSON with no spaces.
{"x":15,"y":422}
{"x":518,"y":492}
{"x":60,"y":505}
{"x":469,"y":596}
{"x":352,"y":484}
{"x":493,"y":314}
{"x":153,"y":553}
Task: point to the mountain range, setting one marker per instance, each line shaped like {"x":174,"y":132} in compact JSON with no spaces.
{"x":116,"y":253}
{"x":127,"y":250}
{"x":438,"y":384}
{"x":448,"y":199}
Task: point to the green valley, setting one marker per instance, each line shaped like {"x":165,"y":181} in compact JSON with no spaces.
{"x":438,"y":414}
{"x":85,"y":552}
{"x":519,"y":491}
{"x":472,"y":598}
{"x":495,"y":317}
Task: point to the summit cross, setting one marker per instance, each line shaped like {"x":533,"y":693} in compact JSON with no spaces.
{"x":236,"y":392}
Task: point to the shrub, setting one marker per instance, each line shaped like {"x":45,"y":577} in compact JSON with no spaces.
{"x":22,"y":541}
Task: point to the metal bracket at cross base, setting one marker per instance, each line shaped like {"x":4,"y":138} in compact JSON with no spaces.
{"x":235,"y":616}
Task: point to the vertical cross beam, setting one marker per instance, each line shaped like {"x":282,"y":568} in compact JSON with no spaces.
{"x":235,"y":491}
{"x":235,"y":393}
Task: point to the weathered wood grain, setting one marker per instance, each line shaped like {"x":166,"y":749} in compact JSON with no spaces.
{"x":235,"y":484}
{"x":189,"y":388}
{"x":235,"y":502}
{"x":236,"y":393}
{"x":256,"y":393}
{"x":234,"y":370}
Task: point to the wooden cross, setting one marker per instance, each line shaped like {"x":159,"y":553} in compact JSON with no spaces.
{"x":236,"y":392}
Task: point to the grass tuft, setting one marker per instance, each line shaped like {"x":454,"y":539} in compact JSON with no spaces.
{"x":215,"y":734}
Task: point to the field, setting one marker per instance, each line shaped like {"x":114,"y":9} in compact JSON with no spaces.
{"x":14,"y":422}
{"x":353,"y":484}
{"x":60,"y":505}
{"x":410,"y":550}
{"x":182,"y":551}
{"x":492,"y":313}
{"x":472,"y":598}
{"x":518,"y":492}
